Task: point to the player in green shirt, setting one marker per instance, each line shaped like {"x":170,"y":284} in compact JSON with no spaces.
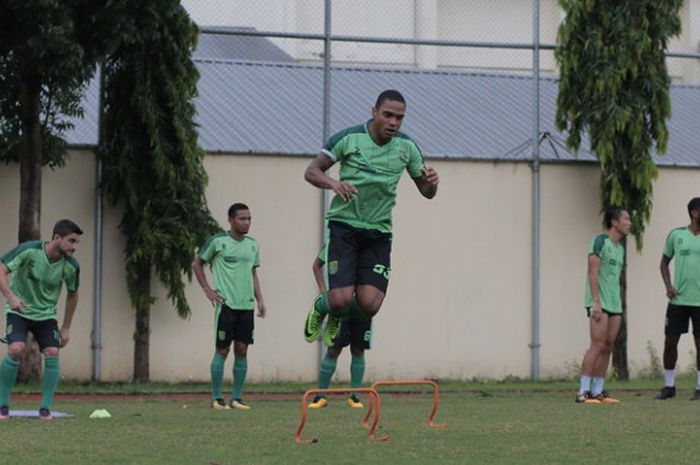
{"x":234,"y":258}
{"x":683,"y":247}
{"x":39,"y":270}
{"x":354,"y":331}
{"x":603,"y":304}
{"x":372,"y":158}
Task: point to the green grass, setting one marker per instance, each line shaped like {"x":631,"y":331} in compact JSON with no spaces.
{"x":498,"y":426}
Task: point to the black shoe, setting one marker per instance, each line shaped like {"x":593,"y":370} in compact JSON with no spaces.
{"x":45,"y":414}
{"x":587,"y":398}
{"x":4,"y":412}
{"x":696,"y":395}
{"x":666,"y":393}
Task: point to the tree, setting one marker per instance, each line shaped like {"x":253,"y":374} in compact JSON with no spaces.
{"x":48,"y":52}
{"x":151,"y":160}
{"x":614,"y":85}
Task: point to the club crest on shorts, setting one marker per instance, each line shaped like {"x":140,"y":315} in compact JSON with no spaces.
{"x":333,"y":267}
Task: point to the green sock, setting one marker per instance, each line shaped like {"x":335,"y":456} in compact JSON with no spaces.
{"x":357,"y":370}
{"x":240,"y":369}
{"x":8,"y":375}
{"x":217,"y":375}
{"x":323,"y":307}
{"x":326,"y":373}
{"x":52,"y":372}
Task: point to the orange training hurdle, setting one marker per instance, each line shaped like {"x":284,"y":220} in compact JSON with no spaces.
{"x":373,"y":404}
{"x":436,"y":399}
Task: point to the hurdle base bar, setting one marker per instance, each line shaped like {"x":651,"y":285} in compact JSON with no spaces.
{"x":374,"y":404}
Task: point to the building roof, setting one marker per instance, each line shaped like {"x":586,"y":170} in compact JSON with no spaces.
{"x":275,"y":107}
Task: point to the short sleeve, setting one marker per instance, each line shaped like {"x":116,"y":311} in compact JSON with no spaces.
{"x":668,"y":246}
{"x":208,"y":250}
{"x":14,"y":258}
{"x":597,"y":244}
{"x":335,"y":147}
{"x":257,"y":255}
{"x":415,"y":162}
{"x":72,"y":277}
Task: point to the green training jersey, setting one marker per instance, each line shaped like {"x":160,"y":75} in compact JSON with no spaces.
{"x":232,"y":264}
{"x":684,"y":248}
{"x":612,"y":257}
{"x":375,"y":171}
{"x":38,"y":281}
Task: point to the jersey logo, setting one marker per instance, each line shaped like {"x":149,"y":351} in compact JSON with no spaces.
{"x":403,"y":156}
{"x":222,"y":335}
{"x":9,"y":330}
{"x":231,"y":259}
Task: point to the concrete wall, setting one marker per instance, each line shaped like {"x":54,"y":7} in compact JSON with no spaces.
{"x":459,"y":301}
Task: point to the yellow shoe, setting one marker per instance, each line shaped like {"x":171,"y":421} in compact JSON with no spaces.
{"x":354,"y":402}
{"x":239,"y":405}
{"x":318,"y":402}
{"x":219,"y":404}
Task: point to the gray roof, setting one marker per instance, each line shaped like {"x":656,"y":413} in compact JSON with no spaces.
{"x":263,"y":107}
{"x":237,"y":47}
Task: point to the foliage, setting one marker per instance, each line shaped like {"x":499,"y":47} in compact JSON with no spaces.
{"x":614,"y":85}
{"x":55,"y":45}
{"x":151,"y":159}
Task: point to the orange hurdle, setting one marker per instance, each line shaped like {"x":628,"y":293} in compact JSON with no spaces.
{"x":374,"y":399}
{"x":436,"y":399}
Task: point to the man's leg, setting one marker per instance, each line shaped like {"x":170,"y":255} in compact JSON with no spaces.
{"x":8,"y":375}
{"x":357,"y":373}
{"x":328,"y":365}
{"x":242,"y":338}
{"x":49,"y":381}
{"x":216,"y":370}
{"x":601,"y":366}
{"x":341,"y":273}
{"x":696,"y":394}
{"x":240,"y":370}
{"x":598,"y":331}
{"x":677,"y":323}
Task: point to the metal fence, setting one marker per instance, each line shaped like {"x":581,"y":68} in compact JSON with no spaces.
{"x":491,"y":36}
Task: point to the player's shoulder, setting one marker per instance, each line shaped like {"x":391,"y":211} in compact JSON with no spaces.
{"x":678,"y":230}
{"x":24,"y":247}
{"x":213,"y":238}
{"x":72,"y":262}
{"x":250,"y":240}
{"x":359,"y":129}
{"x":405,"y":138}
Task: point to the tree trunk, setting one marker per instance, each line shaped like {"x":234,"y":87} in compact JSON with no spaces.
{"x":620,"y":349}
{"x":143,"y":325}
{"x":30,"y":200}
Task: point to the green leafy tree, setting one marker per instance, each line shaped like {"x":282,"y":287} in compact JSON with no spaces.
{"x":48,"y":51}
{"x":152,"y":163}
{"x":614,"y":85}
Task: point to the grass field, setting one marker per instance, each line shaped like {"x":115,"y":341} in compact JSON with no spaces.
{"x":517,"y":423}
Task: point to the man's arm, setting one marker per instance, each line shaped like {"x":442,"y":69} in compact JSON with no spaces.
{"x":71,"y":305}
{"x":212,"y":295}
{"x":15,"y":302}
{"x":315,"y":174}
{"x":318,"y":275}
{"x":671,"y":292}
{"x":427,"y":183}
{"x":593,"y":269}
{"x":262,"y":310}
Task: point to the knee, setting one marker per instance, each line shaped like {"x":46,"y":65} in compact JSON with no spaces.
{"x":223,"y":351}
{"x":240,"y":350}
{"x":51,"y":351}
{"x":14,"y":351}
{"x":357,"y":352}
{"x":370,"y":310}
{"x":339,"y":302}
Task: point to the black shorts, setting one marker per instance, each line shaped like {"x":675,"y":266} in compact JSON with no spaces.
{"x":45,"y":332}
{"x":357,"y":256}
{"x":589,"y":310}
{"x":354,"y":332}
{"x":678,"y":318}
{"x":234,"y":325}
